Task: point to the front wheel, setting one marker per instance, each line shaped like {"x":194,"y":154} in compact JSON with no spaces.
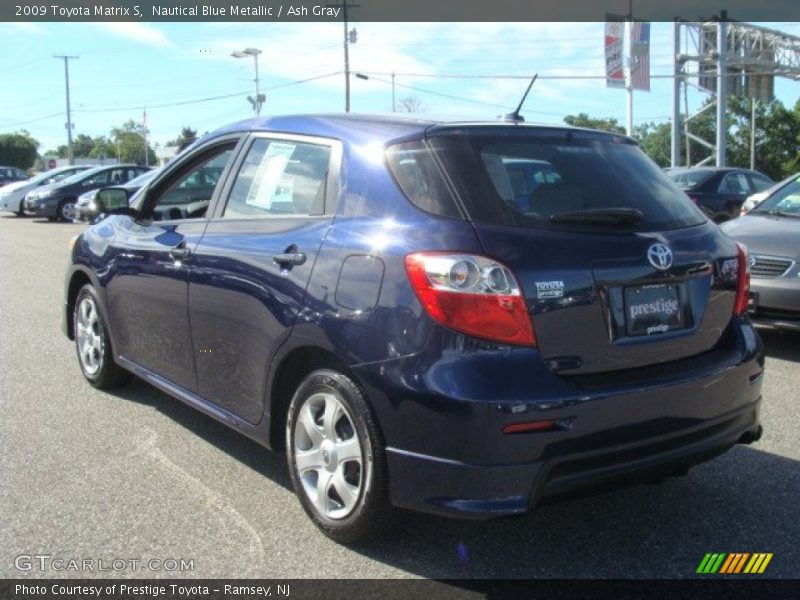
{"x":66,"y":210}
{"x":93,"y":344}
{"x":336,"y":458}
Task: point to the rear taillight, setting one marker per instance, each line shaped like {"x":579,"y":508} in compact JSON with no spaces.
{"x":471,"y":294}
{"x":742,"y":281}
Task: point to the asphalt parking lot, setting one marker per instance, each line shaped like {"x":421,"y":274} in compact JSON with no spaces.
{"x":138,"y":475}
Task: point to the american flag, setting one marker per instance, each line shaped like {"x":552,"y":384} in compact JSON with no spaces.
{"x":640,"y":56}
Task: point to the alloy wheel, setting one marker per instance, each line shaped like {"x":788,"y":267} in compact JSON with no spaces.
{"x":89,"y":336}
{"x":328,"y":455}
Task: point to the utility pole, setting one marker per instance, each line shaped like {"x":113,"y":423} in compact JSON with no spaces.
{"x":722,"y":85}
{"x":344,"y":6}
{"x":69,"y":113}
{"x":393,"y":104}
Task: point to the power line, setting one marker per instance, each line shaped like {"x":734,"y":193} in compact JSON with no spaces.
{"x":4,"y":125}
{"x":201,"y":100}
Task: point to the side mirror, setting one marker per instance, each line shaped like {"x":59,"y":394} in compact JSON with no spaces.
{"x":109,"y":199}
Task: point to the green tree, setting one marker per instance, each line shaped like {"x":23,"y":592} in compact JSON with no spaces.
{"x":18,"y":149}
{"x":187,"y":136}
{"x":584,"y":120}
{"x":85,"y":146}
{"x":656,"y":141}
{"x":777,"y":137}
{"x":130,"y":139}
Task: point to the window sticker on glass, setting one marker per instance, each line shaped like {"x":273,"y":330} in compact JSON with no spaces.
{"x":269,"y":184}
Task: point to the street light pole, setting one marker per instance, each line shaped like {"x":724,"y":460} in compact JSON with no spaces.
{"x":258,"y":99}
{"x":66,"y":58}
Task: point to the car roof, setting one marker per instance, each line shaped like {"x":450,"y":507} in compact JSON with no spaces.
{"x":364,"y":128}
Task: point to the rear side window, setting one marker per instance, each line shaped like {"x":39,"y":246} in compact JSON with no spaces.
{"x":734,"y":183}
{"x":525,"y":180}
{"x":416,"y":172}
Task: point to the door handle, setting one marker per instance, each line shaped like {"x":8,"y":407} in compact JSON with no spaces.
{"x":289,"y":259}
{"x":180,"y":252}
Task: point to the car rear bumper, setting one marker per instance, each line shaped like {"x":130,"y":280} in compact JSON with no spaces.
{"x":480,"y":492}
{"x":457,"y":461}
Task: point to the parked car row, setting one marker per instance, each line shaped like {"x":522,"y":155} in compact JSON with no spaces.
{"x":12,"y":196}
{"x":57,"y":201}
{"x":54,"y":194}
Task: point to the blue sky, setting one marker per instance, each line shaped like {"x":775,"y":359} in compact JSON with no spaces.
{"x":126,"y":67}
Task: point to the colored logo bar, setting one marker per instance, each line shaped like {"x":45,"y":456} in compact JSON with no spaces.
{"x":734,"y":563}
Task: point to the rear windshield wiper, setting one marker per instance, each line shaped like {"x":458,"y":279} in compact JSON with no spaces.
{"x":611,"y":216}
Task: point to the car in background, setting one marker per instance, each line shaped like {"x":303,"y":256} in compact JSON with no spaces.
{"x":12,"y":196}
{"x":89,"y":207}
{"x":757,"y":198}
{"x":771,"y":232}
{"x":57,"y":201}
{"x":367,"y":294}
{"x":719,"y":191}
{"x":11,"y":174}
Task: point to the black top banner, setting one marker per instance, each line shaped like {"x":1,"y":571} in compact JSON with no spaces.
{"x":393,"y":10}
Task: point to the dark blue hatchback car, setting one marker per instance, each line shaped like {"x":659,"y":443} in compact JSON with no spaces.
{"x":421,"y":322}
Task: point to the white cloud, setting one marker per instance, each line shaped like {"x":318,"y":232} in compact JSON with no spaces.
{"x":136,"y":32}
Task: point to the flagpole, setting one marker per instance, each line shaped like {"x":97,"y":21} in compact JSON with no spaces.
{"x":144,"y":127}
{"x":629,"y":87}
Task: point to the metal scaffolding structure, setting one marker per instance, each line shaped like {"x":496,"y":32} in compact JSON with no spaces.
{"x":729,"y":58}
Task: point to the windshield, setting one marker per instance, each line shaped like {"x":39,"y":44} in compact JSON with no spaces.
{"x":80,"y":175}
{"x":690,"y":178}
{"x":786,"y":200}
{"x":562,"y":179}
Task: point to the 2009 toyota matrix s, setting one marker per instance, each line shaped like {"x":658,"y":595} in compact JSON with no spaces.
{"x":457,"y":318}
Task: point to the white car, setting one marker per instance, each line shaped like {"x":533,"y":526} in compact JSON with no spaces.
{"x":756,"y":199}
{"x":13,"y":194}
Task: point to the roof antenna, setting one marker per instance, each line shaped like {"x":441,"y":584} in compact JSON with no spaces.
{"x":515,"y":117}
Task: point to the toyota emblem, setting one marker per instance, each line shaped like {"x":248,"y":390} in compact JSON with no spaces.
{"x":660,"y":256}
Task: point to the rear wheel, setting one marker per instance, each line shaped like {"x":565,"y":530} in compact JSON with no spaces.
{"x":336,"y":458}
{"x":66,"y":210}
{"x":93,"y":344}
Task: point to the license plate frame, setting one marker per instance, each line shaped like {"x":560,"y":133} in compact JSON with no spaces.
{"x":654,"y":309}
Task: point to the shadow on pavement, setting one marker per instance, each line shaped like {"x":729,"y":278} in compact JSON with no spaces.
{"x":743,"y":501}
{"x":243,"y":449}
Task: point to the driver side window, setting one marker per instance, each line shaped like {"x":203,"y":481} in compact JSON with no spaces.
{"x":188,"y":195}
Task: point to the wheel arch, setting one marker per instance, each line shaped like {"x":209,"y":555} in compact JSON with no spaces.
{"x":288,"y":374}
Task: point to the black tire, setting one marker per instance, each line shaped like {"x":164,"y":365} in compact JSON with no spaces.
{"x":371,"y":513}
{"x":21,"y":211}
{"x":92,"y":344}
{"x":62,"y":214}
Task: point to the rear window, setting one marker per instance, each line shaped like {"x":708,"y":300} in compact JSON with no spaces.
{"x":524,"y":179}
{"x":689,"y":179}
